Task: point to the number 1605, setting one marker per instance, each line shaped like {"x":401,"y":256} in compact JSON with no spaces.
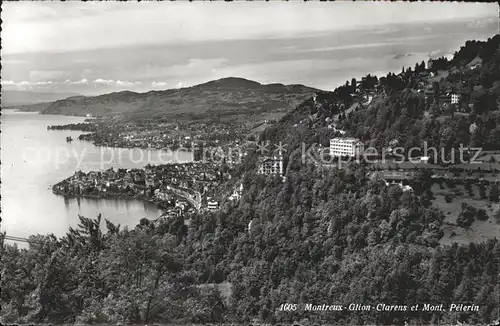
{"x":288,"y":307}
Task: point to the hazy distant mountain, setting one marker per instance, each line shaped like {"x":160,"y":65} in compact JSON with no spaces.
{"x":13,"y":97}
{"x":219,"y":97}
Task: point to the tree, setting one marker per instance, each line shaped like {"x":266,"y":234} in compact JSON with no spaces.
{"x":469,"y":190}
{"x":481,"y":215}
{"x":482,"y":191}
{"x":417,"y":68}
{"x":466,"y":216}
{"x":494,"y":193}
{"x":435,"y":88}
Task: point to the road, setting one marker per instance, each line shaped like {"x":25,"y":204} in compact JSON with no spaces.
{"x":194,"y":201}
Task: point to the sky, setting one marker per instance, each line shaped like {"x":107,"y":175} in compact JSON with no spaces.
{"x":96,"y":47}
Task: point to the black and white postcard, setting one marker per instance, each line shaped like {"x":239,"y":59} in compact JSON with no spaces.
{"x":250,"y":163}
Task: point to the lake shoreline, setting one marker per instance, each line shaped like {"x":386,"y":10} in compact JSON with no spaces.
{"x":34,"y":159}
{"x":160,"y":203}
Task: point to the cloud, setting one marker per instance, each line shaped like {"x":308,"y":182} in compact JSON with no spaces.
{"x":8,"y":83}
{"x":55,"y":28}
{"x":186,"y":69}
{"x":117,"y":83}
{"x":481,"y":23}
{"x":161,"y":84}
{"x":77,"y":82}
{"x":387,"y":42}
{"x":45,"y":83}
{"x":339,"y":47}
{"x":27,"y":85}
{"x":179,"y":84}
{"x":127,"y":83}
{"x":71,"y":84}
{"x":101,"y":81}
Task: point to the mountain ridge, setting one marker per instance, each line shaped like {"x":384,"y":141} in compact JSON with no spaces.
{"x":223,"y":95}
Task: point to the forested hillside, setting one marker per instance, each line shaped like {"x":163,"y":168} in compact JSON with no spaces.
{"x":408,"y":108}
{"x":328,"y":238}
{"x":409,"y":115}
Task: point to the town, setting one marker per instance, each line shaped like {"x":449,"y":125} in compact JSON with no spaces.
{"x":159,"y":133}
{"x":179,"y":189}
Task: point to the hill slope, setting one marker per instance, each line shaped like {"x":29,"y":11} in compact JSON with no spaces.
{"x":412,"y":106}
{"x":219,"y":97}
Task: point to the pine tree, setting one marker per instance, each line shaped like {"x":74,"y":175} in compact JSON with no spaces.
{"x":494,"y":193}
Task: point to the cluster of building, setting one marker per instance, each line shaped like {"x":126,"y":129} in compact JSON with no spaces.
{"x":399,"y":178}
{"x":231,"y":154}
{"x":105,"y":182}
{"x":451,"y":94}
{"x":212,"y":204}
{"x":214,"y":133}
{"x":164,"y":135}
{"x":271,"y":165}
{"x":340,"y":147}
{"x":445,"y":98}
{"x":237,"y":193}
{"x":366,"y":95}
{"x":180,"y":186}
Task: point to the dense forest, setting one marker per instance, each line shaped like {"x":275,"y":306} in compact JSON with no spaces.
{"x":323,"y":236}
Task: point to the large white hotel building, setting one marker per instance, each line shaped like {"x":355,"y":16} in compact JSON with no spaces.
{"x":345,"y":147}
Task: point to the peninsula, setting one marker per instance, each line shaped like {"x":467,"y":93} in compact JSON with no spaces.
{"x":176,"y":188}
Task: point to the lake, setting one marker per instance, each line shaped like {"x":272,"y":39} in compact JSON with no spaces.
{"x":34,"y":158}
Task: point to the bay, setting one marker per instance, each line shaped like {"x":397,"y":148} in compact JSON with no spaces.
{"x":34,"y":158}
